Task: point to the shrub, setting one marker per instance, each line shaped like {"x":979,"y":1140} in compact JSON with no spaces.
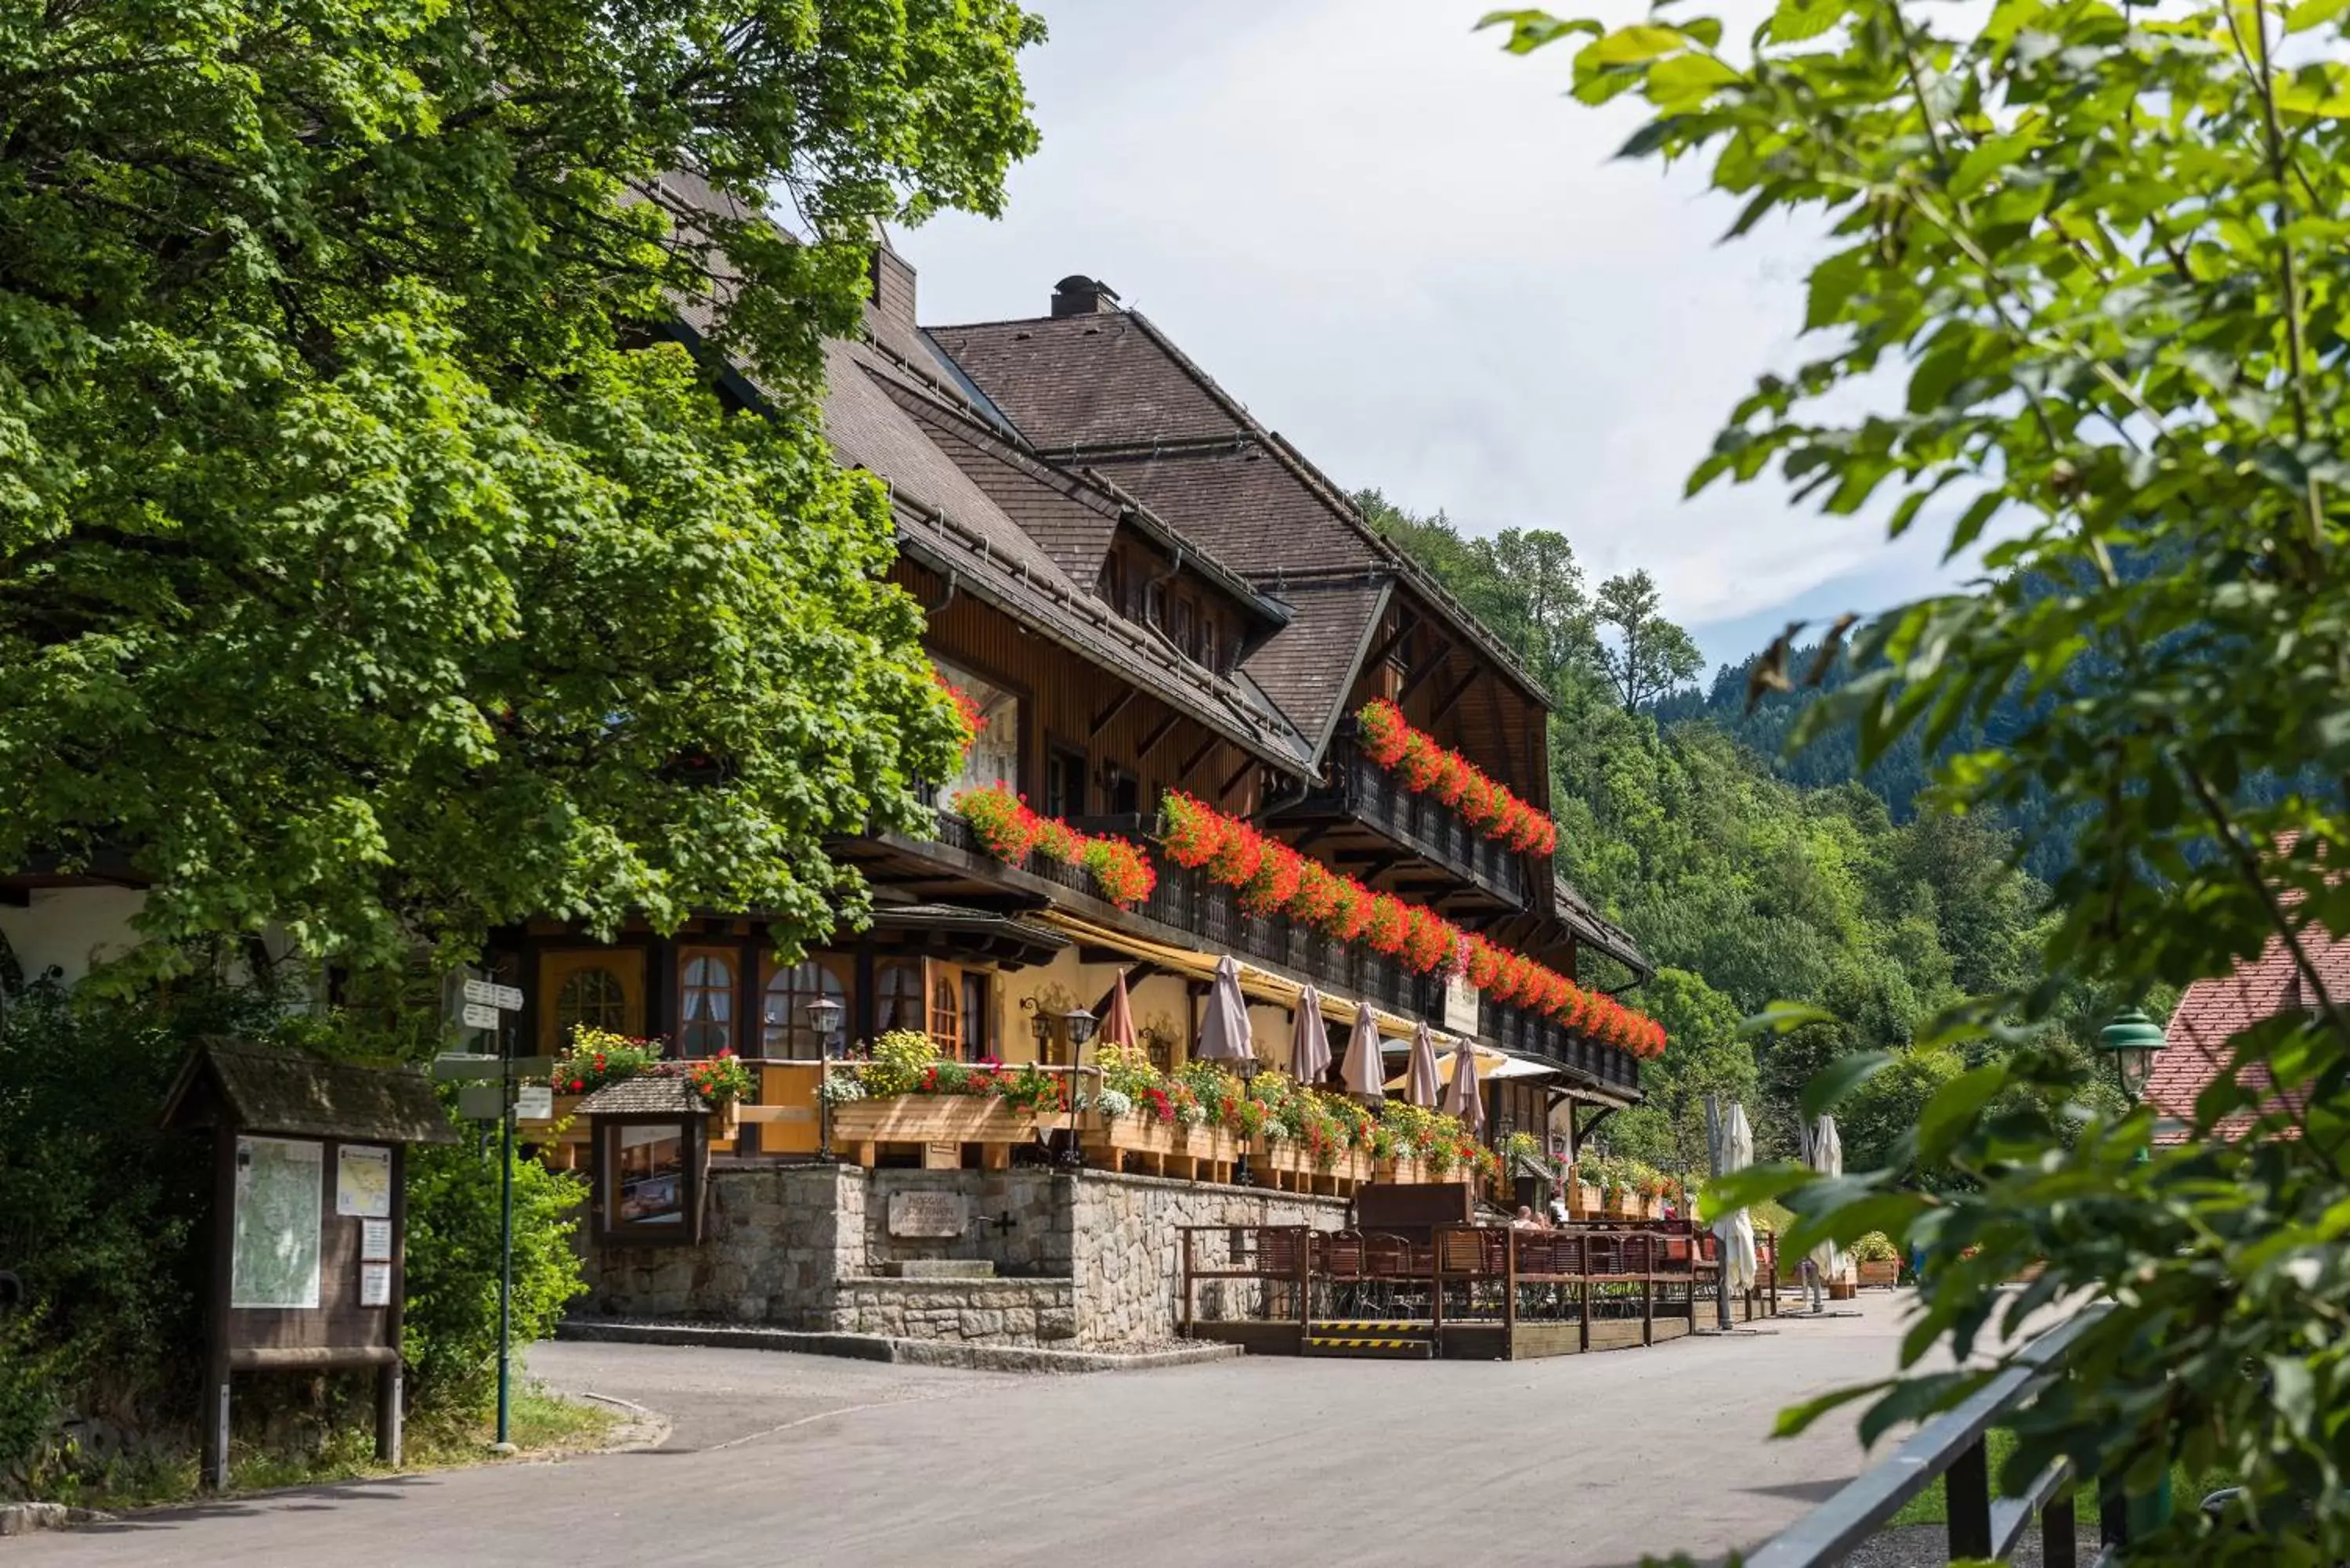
{"x":451,"y":1328}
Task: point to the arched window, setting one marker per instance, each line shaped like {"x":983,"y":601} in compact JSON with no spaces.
{"x":783,"y":1013}
{"x":898,"y":995}
{"x":590,"y":997}
{"x":706,"y":1004}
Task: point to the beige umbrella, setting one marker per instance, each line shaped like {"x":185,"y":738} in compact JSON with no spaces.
{"x":1463,"y":1098}
{"x":1310,"y":1046}
{"x":1118,"y":1018}
{"x":1225,"y":1033}
{"x":1737,"y":1232}
{"x":1826,"y":1155}
{"x":1365,"y":1066}
{"x":1420,"y":1085}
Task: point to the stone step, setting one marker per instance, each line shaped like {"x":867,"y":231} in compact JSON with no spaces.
{"x":940,"y":1269}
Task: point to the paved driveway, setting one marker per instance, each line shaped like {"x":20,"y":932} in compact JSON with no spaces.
{"x":1584,"y":1461}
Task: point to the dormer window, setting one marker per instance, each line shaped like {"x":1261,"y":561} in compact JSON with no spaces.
{"x":1113,"y":583}
{"x":1185,"y":632}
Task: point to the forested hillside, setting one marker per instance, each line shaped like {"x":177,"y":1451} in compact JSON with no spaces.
{"x":1746,"y":884}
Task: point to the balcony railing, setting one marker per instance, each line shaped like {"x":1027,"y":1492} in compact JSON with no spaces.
{"x":1188,"y":902}
{"x":1426,"y":825}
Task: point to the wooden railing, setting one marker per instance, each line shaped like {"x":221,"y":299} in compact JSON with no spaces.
{"x":1484,"y":1276}
{"x":1188,"y":902}
{"x":1436,"y":832}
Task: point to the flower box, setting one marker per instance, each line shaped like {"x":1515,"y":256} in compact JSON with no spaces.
{"x":860,"y":1125}
{"x":1106,"y":1141}
{"x":1883,"y":1274}
{"x":1584,"y":1202}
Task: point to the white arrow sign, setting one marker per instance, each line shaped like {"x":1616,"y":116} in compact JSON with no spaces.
{"x":479,"y":1015}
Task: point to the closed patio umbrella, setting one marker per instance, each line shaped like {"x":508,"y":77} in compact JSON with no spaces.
{"x":1420,"y":1078}
{"x":1737,"y":1232}
{"x":1309,"y":1044}
{"x":1224,"y":1030}
{"x":1365,"y":1067}
{"x":1826,"y":1155}
{"x":1118,"y":1018}
{"x":1463,"y":1098}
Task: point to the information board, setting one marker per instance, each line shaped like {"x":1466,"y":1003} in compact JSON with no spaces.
{"x":274,"y":1260}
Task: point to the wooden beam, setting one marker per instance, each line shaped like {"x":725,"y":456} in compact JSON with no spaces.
{"x":1454,"y":694}
{"x":1191,"y":763}
{"x":1310,"y":838}
{"x":1405,"y":624}
{"x":1151,"y":742}
{"x":1247,"y":764}
{"x":1100,"y":721}
{"x":1423,"y":669}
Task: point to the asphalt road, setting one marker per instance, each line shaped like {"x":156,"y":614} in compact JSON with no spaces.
{"x":1579,"y":1462}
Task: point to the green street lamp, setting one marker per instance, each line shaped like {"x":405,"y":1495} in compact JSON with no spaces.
{"x":2132,"y":1039}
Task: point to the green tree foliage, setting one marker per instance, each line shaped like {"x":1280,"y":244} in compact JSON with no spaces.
{"x":374,"y":560}
{"x":1745,"y":886}
{"x":1647,"y":655}
{"x":2107,"y":246}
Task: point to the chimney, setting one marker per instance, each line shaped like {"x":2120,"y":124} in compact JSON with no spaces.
{"x":1077,"y":295}
{"x":891,"y":300}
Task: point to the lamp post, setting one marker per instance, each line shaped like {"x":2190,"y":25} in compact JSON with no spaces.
{"x":2132,"y":1040}
{"x":823,"y":1015}
{"x":1240,"y":1173}
{"x":1077,"y":1027}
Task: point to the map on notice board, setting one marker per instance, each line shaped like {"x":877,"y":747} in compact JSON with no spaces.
{"x":363,"y":1181}
{"x":274,"y":1260}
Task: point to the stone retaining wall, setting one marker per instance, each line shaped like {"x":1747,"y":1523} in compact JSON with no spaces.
{"x":1030,"y":1313}
{"x":1089,"y":1261}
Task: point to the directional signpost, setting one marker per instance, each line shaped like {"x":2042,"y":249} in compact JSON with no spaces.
{"x":485,"y":1005}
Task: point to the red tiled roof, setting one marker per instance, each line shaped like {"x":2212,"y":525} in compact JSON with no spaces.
{"x":2197,"y":1043}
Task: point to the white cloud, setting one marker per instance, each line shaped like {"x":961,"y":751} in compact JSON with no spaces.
{"x":1411,"y":255}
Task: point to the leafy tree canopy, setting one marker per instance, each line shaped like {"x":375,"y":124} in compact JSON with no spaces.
{"x":375,"y":558}
{"x":2106,"y":244}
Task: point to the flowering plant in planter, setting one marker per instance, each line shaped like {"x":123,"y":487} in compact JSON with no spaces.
{"x":599,"y":1056}
{"x":1032,"y":1089}
{"x":720,"y":1080}
{"x":973,"y":724}
{"x":1009,"y":831}
{"x":1428,"y":767}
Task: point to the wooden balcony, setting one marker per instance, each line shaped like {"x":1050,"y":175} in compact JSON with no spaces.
{"x":1187,"y":902}
{"x":1416,"y":842}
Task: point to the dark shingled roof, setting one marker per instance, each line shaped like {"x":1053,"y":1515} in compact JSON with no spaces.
{"x":1114,"y":393}
{"x":647,"y":1093}
{"x":1085,"y":380}
{"x":1307,"y":669}
{"x":1597,"y":933}
{"x":266,"y":1089}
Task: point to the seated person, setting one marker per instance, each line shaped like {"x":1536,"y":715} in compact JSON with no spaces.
{"x":1525,"y":1221}
{"x":1558,"y":1214}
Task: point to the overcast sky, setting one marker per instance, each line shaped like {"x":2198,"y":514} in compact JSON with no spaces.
{"x":1407,"y":252}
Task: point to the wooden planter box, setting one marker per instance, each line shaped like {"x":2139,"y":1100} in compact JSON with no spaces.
{"x":1582,"y":1201}
{"x":1884,"y":1275}
{"x":1408,"y":1169}
{"x":1292,"y":1167}
{"x":941,"y":1123}
{"x":1164,"y":1148}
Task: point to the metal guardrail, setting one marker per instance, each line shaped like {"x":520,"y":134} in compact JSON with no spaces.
{"x":1952,"y":1447}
